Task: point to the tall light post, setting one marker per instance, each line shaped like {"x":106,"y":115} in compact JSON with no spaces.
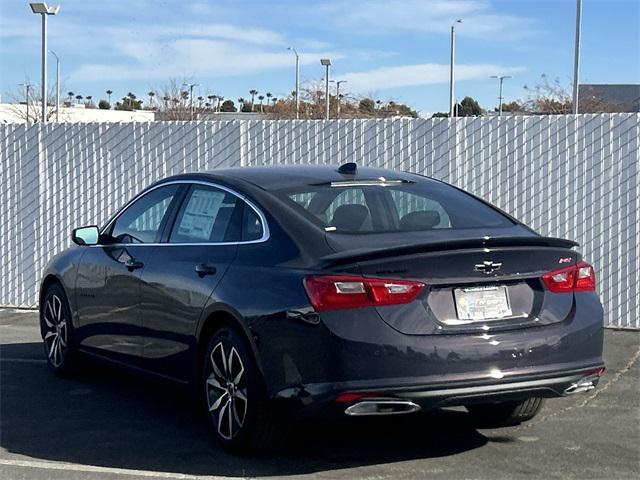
{"x":295,"y":52}
{"x":27,"y":86}
{"x":576,"y":57}
{"x":327,"y":63}
{"x":57,"y":85}
{"x":501,"y":79}
{"x":190,"y":86}
{"x":44,"y":11}
{"x":452,"y":68}
{"x":338,"y":95}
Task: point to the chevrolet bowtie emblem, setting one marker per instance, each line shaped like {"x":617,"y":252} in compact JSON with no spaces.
{"x":487,"y":267}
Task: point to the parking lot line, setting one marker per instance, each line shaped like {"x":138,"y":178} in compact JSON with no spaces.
{"x":71,"y":467}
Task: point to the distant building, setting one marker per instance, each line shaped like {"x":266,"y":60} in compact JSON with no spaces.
{"x":609,"y":98}
{"x":17,"y":113}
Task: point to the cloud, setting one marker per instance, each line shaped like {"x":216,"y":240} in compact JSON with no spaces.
{"x":192,"y":57}
{"x":427,"y":16}
{"x":421,"y":74}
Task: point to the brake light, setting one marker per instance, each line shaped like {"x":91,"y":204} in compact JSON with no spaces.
{"x":335,"y":292}
{"x":576,"y":278}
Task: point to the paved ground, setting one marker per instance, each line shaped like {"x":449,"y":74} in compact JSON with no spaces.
{"x":112,"y":425}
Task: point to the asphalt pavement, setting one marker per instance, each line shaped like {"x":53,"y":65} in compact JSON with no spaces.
{"x":109,"y":424}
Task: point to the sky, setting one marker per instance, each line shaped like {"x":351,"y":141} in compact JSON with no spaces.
{"x":387,"y":49}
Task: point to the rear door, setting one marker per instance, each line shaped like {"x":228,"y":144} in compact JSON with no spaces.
{"x":183,"y":272}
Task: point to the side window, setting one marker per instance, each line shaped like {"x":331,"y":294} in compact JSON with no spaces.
{"x":205,"y":216}
{"x":141,"y":221}
{"x":252,"y":228}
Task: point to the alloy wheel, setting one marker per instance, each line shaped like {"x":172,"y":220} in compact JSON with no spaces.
{"x":55,"y":337}
{"x":227,"y":390}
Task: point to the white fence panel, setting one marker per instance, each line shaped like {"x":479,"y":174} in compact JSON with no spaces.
{"x":568,"y":176}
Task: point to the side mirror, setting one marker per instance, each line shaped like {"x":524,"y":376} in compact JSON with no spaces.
{"x":85,"y":235}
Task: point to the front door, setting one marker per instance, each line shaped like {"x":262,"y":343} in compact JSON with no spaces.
{"x":108,"y":280}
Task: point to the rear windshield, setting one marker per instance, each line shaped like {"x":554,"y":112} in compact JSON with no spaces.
{"x":392,"y":207}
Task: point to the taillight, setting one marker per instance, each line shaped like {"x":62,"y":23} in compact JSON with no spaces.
{"x":577,"y":278}
{"x":334,"y":292}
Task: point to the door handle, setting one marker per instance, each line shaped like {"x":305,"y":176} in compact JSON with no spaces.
{"x":203,"y":269}
{"x":133,"y":264}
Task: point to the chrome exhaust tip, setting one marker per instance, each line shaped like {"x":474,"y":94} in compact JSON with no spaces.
{"x":382,"y":407}
{"x":581,"y":386}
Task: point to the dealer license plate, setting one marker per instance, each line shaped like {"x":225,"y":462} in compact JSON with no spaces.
{"x":482,"y":303}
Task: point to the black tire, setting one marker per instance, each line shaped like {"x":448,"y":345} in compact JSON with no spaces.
{"x":505,"y":414}
{"x":57,"y":333}
{"x":241,"y":426}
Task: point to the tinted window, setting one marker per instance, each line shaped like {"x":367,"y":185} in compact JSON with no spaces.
{"x":251,"y":225}
{"x":205,"y":216}
{"x":388,"y":208}
{"x":141,"y":221}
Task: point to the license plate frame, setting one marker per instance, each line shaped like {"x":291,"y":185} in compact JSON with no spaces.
{"x":480,"y":304}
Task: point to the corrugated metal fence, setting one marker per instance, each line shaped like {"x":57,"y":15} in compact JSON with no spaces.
{"x":568,"y":176}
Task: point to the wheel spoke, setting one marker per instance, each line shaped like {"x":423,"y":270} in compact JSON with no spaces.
{"x":59,"y":309}
{"x":230,"y":415}
{"x":50,"y":310}
{"x":49,"y":334}
{"x":212,"y":381}
{"x":241,"y":395}
{"x":223,"y":397}
{"x":53,"y":346}
{"x":239,"y":417}
{"x":219,"y":370}
{"x":234,"y":354}
{"x":221,"y":415}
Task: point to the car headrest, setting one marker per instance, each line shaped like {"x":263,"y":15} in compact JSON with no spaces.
{"x":349,"y":216}
{"x":422,"y":220}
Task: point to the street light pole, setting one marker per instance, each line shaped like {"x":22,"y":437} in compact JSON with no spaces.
{"x":338,"y":95}
{"x":27,"y":86}
{"x":327,"y":63}
{"x":44,"y":11}
{"x":297,"y":81}
{"x":190,"y":85}
{"x":57,"y":86}
{"x":452,"y":68}
{"x":501,"y":79}
{"x":576,"y":57}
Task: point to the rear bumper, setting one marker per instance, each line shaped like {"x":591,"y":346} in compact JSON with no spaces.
{"x":325,"y":400}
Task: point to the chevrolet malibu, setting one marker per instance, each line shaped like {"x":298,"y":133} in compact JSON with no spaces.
{"x":286,"y":292}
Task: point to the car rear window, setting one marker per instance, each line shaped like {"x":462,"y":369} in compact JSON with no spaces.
{"x":392,"y":207}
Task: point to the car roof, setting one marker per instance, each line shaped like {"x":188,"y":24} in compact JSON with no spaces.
{"x":285,"y":176}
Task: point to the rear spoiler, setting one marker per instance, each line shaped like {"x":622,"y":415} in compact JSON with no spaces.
{"x":361,"y":254}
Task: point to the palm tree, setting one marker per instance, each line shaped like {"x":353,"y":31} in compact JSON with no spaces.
{"x":269,"y":95}
{"x":88,"y":98}
{"x":211,"y":99}
{"x":78,"y":97}
{"x":166,"y":99}
{"x":241,"y":103}
{"x":261,"y":98}
{"x":253,"y":93}
{"x":200,"y":99}
{"x":219,"y":99}
{"x":151,"y":95}
{"x":70,"y":94}
{"x":109,"y":92}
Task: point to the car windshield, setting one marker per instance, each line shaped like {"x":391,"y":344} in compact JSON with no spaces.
{"x":370,"y":207}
